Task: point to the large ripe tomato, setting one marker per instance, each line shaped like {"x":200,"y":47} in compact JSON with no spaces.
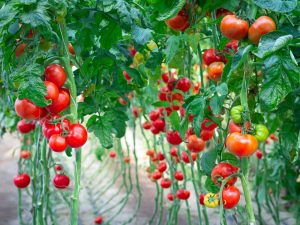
{"x":57,"y":143}
{"x":195,"y":144}
{"x":260,"y":27}
{"x":215,"y":70}
{"x":22,"y":180}
{"x":165,"y":183}
{"x":52,"y":90}
{"x":241,"y":145}
{"x":25,"y":127}
{"x":56,"y":74}
{"x":27,"y":110}
{"x":77,"y":136}
{"x":222,"y":171}
{"x":234,"y":28}
{"x":210,"y":56}
{"x":183,"y":84}
{"x":61,"y":103}
{"x":230,"y":197}
{"x":61,"y":181}
{"x":173,"y":137}
{"x":20,"y":49}
{"x":183,"y":194}
{"x":179,"y":22}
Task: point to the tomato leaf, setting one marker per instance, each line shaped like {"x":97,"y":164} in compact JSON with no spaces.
{"x":141,"y":35}
{"x":217,"y":101}
{"x":208,"y":160}
{"x":68,"y":151}
{"x":232,"y":159}
{"x":171,"y":9}
{"x":118,"y":120}
{"x":210,"y":186}
{"x":282,"y":6}
{"x":7,"y":14}
{"x":110,"y":35}
{"x":173,"y":44}
{"x":197,"y":107}
{"x":175,"y":120}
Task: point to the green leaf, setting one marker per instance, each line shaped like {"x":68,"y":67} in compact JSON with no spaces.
{"x":172,"y":9}
{"x":110,"y":35}
{"x":135,"y":75}
{"x":217,"y":101}
{"x":118,"y":119}
{"x":7,"y":14}
{"x":173,"y":44}
{"x":208,"y":161}
{"x":184,"y":124}
{"x":196,"y":107}
{"x":175,"y":120}
{"x":37,"y":17}
{"x":210,"y":186}
{"x":282,"y":6}
{"x":161,"y":104}
{"x":68,"y":151}
{"x":272,"y":42}
{"x":232,"y":159}
{"x":281,"y":76}
{"x":140,"y":35}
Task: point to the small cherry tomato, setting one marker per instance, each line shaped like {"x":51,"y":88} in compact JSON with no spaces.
{"x":201,"y":199}
{"x":211,"y":55}
{"x":61,"y":181}
{"x":170,"y":197}
{"x":52,"y":91}
{"x":162,"y":167}
{"x":259,"y":154}
{"x":77,"y":136}
{"x":179,"y":22}
{"x":147,"y":125}
{"x":173,"y":137}
{"x":195,"y":144}
{"x":183,"y":84}
{"x":98,"y":220}
{"x":185,"y":157}
{"x":178,"y":175}
{"x":183,"y":194}
{"x":27,"y":110}
{"x":165,"y":183}
{"x":112,"y":154}
{"x":22,"y":180}
{"x":156,"y":175}
{"x":58,"y":143}
{"x":25,"y":154}
{"x":25,"y":127}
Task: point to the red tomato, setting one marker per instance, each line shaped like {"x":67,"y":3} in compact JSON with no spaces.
{"x":165,"y":77}
{"x":25,"y":127}
{"x":215,"y":70}
{"x":183,"y":84}
{"x":22,"y":180}
{"x":234,"y":28}
{"x":25,"y":154}
{"x":222,"y":12}
{"x":178,"y":175}
{"x":189,"y":132}
{"x":201,"y":199}
{"x":154,"y":130}
{"x":159,"y":124}
{"x":273,"y":137}
{"x":173,"y":137}
{"x":230,"y":197}
{"x":154,"y":115}
{"x":126,"y":159}
{"x":165,"y":183}
{"x":56,"y":74}
{"x":210,"y":56}
{"x":233,"y":127}
{"x":61,"y":181}
{"x":58,"y":167}
{"x":27,"y":110}
{"x":160,"y":156}
{"x":170,"y":197}
{"x":126,"y":76}
{"x":112,"y":154}
{"x":208,"y":125}
{"x":173,"y":151}
{"x":195,"y":144}
{"x":71,"y":49}
{"x":183,"y":194}
{"x":171,"y":84}
{"x":135,"y":112}
{"x":179,"y":22}
{"x":98,"y":220}
{"x":156,"y":175}
{"x":58,"y":143}
{"x":260,"y":27}
{"x":162,"y":167}
{"x":164,"y":94}
{"x":233,"y":45}
{"x":150,"y":153}
{"x":61,"y":103}
{"x":185,"y":157}
{"x":259,"y":154}
{"x":122,"y":101}
{"x":206,"y":134}
{"x":20,"y":49}
{"x":242,"y":145}
{"x":52,"y":90}
{"x":222,"y":171}
{"x":77,"y":136}
{"x":197,"y":86}
{"x":147,"y":125}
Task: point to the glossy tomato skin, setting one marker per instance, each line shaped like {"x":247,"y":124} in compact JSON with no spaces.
{"x":147,"y":125}
{"x":173,"y":137}
{"x":179,"y":22}
{"x":233,"y":127}
{"x":201,"y":199}
{"x":210,"y":56}
{"x":154,"y":130}
{"x":234,"y":28}
{"x":230,"y":197}
{"x":178,"y":175}
{"x":59,"y":167}
{"x":183,"y":194}
{"x":154,"y":115}
{"x":98,"y":220}
{"x":259,"y":154}
{"x":77,"y":136}
{"x":206,"y":135}
{"x":61,"y":102}
{"x":27,"y":110}
{"x":173,"y":151}
{"x":112,"y":154}
{"x":260,"y":27}
{"x":56,"y":74}
{"x":61,"y":181}
{"x":25,"y":154}
{"x":242,"y":145}
{"x":156,"y":175}
{"x":165,"y":183}
{"x":183,"y":84}
{"x":25,"y":127}
{"x":195,"y":144}
{"x":162,"y":167}
{"x":215,"y":70}
{"x":52,"y":90}
{"x":58,"y":143}
{"x":222,"y":171}
{"x":185,"y":157}
{"x":159,"y":124}
{"x":170,"y":197}
{"x":22,"y":180}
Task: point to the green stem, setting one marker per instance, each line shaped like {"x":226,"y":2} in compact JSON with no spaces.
{"x":248,"y":200}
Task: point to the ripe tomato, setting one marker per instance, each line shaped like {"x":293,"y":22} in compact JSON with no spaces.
{"x":165,"y":183}
{"x":178,"y":175}
{"x":71,"y":49}
{"x":52,"y":90}
{"x":150,"y":153}
{"x":98,"y":220}
{"x":25,"y":154}
{"x":126,"y":76}
{"x":22,"y":180}
{"x":170,"y":197}
{"x":215,"y":70}
{"x":222,"y":171}
{"x":61,"y":102}
{"x":112,"y":154}
{"x":211,"y":200}
{"x":27,"y":110}
{"x":58,"y":143}
{"x":206,"y":134}
{"x":195,"y":144}
{"x":156,"y":175}
{"x":236,"y":113}
{"x":197,"y":86}
{"x":25,"y":127}
{"x":208,"y":125}
{"x":154,"y":115}
{"x":56,"y":74}
{"x":185,"y":157}
{"x":179,"y":22}
{"x":234,"y":28}
{"x":201,"y":199}
{"x":183,"y":84}
{"x":126,"y":159}
{"x":162,"y":167}
{"x":154,"y":130}
{"x":210,"y":56}
{"x":77,"y":136}
{"x":58,"y":167}
{"x":171,"y":84}
{"x":160,"y":156}
{"x":259,"y":154}
{"x":173,"y":151}
{"x":241,"y":145}
{"x":61,"y":181}
{"x":20,"y":49}
{"x":233,"y":127}
{"x":164,"y":94}
{"x":230,"y":197}
{"x":147,"y":125}
{"x":173,"y":137}
{"x":261,"y":132}
{"x":122,"y":101}
{"x":223,"y":12}
{"x":231,"y":46}
{"x":159,"y":124}
{"x":183,"y":194}
{"x":260,"y":27}
{"x":189,"y":132}
{"x":165,"y":77}
{"x":273,"y":137}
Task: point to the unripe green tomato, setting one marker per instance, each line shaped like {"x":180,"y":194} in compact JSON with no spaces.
{"x":261,"y":132}
{"x":236,"y":113}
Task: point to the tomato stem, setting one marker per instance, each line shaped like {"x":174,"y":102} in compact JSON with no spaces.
{"x":248,"y":200}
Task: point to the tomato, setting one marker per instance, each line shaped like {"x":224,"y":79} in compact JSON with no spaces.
{"x":71,"y":49}
{"x":173,"y":151}
{"x":112,"y":154}
{"x":25,"y":154}
{"x":259,"y":154}
{"x":162,"y":167}
{"x":261,"y":132}
{"x":126,"y":159}
{"x":230,"y":197}
{"x":160,"y":156}
{"x":260,"y":27}
{"x":150,"y":153}
{"x":136,"y":111}
{"x":236,"y":113}
{"x":211,"y":200}
{"x":58,"y":143}
{"x":232,"y":127}
{"x":179,"y":22}
{"x":273,"y":137}
{"x":52,"y":91}
{"x":126,"y":76}
{"x":201,"y":199}
{"x":165,"y":183}
{"x":132,"y":51}
{"x":195,"y":144}
{"x":61,"y":181}
{"x":165,"y":77}
{"x":163,"y":94}
{"x":159,"y":124}
{"x":222,"y":171}
{"x":173,"y":137}
{"x":156,"y":175}
{"x":98,"y":220}
{"x":22,"y":180}
{"x":154,"y":130}
{"x":183,"y":84}
{"x":185,"y":157}
{"x":189,"y":132}
{"x":175,"y":97}
{"x":206,"y":135}
{"x":171,"y":84}
{"x":211,"y":55}
{"x":122,"y":101}
{"x":170,"y":197}
{"x":223,"y":12}
{"x":147,"y":125}
{"x":234,"y":28}
{"x":58,"y":167}
{"x":77,"y":136}
{"x":215,"y":70}
{"x":20,"y":49}
{"x":25,"y":127}
{"x":27,"y":110}
{"x":231,"y":46}
{"x":241,"y":145}
{"x":56,"y":74}
{"x":178,"y":175}
{"x":154,"y":115}
{"x":61,"y":103}
{"x":208,"y":125}
{"x":183,"y":194}
{"x":197,"y":86}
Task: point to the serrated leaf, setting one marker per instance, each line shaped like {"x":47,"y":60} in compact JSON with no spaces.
{"x":175,"y":120}
{"x":196,"y":107}
{"x":173,"y":44}
{"x":7,"y":14}
{"x":282,"y":6}
{"x":173,"y":8}
{"x":217,"y":101}
{"x":208,"y":161}
{"x":110,"y":35}
{"x":140,"y":35}
{"x":118,"y":119}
